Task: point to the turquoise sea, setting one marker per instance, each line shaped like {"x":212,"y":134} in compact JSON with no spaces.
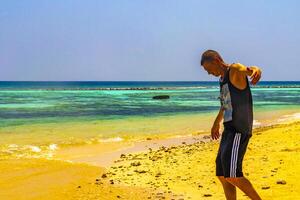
{"x":36,"y":116}
{"x":41,"y":102}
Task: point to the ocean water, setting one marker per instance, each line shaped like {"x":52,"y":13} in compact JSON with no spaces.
{"x":41,"y":102}
{"x":44,"y":115}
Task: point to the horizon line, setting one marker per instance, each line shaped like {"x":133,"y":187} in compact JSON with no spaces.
{"x":133,"y":81}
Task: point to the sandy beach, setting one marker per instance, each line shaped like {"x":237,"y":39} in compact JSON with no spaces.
{"x":174,"y":168}
{"x":120,"y":100}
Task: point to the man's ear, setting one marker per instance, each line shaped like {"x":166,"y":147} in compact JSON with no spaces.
{"x":219,"y":62}
{"x":216,"y":61}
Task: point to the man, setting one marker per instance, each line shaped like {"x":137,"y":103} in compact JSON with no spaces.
{"x":237,"y":115}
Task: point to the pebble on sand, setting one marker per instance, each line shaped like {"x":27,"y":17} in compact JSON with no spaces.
{"x":103,"y":176}
{"x":282,"y":182}
{"x":265,"y":187}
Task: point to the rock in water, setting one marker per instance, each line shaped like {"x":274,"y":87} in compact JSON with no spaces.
{"x":161,"y":97}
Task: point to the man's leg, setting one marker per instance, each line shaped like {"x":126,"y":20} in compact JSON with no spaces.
{"x":229,"y":189}
{"x":232,"y":157}
{"x":245,"y":185}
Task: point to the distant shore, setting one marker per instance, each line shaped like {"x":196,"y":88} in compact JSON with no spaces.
{"x":149,"y":88}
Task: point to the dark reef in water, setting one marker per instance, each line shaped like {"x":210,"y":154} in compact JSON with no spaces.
{"x":161,"y":97}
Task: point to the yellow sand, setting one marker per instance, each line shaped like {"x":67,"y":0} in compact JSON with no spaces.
{"x":185,"y":171}
{"x":189,"y":170}
{"x":38,"y":179}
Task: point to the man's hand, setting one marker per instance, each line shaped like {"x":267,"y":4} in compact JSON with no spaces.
{"x":256,"y":74}
{"x":215,"y":134}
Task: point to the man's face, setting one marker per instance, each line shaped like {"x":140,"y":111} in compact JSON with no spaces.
{"x":212,"y":68}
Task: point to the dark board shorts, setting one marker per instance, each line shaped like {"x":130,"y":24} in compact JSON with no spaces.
{"x":231,"y":152}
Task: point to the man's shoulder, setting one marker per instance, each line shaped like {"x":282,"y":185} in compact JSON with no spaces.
{"x":236,"y":77}
{"x":234,"y":71}
{"x":234,"y":67}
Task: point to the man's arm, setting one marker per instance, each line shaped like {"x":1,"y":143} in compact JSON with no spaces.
{"x":216,"y":126}
{"x":253,"y":71}
{"x":219,"y":118}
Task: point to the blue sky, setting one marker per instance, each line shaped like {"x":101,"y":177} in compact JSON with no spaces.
{"x":140,"y":40}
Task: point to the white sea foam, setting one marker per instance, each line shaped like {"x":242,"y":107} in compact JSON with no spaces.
{"x":256,"y":123}
{"x":181,"y":136}
{"x":34,"y":148}
{"x":294,"y":116}
{"x":115,"y":139}
{"x":13,"y":147}
{"x":29,"y":151}
{"x":48,"y":155}
{"x":53,"y":147}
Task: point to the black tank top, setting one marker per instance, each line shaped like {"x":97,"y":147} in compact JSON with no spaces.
{"x":237,"y":105}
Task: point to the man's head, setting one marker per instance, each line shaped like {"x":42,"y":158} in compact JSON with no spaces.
{"x":212,"y":62}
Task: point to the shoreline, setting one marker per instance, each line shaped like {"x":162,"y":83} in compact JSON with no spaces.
{"x":69,"y":139}
{"x":107,"y":158}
